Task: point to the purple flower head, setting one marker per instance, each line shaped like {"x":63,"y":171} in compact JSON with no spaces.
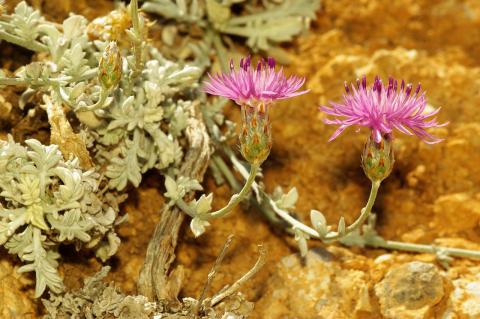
{"x":252,"y":86}
{"x":383,"y":108}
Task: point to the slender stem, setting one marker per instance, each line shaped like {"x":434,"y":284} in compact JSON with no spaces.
{"x":365,"y":212}
{"x":331,"y":235}
{"x":234,"y":200}
{"x":379,"y":242}
{"x":233,"y":288}
{"x":226,"y":172}
{"x":33,"y":45}
{"x":237,"y":198}
{"x":294,"y":222}
{"x":99,"y":104}
{"x":261,"y":201}
{"x":212,"y":273}
{"x":242,"y":170}
{"x":138,"y":42}
{"x":185,"y":208}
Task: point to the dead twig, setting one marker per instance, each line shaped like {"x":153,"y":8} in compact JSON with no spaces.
{"x":213,"y":272}
{"x":229,"y":290}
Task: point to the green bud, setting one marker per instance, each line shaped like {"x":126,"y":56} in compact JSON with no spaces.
{"x":110,"y":66}
{"x":256,"y":136}
{"x":378,"y":158}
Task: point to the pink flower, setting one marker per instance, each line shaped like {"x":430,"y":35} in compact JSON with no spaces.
{"x":252,"y":86}
{"x":384,"y":108}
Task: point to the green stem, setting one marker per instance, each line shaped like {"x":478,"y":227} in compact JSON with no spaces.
{"x":226,"y":172}
{"x":262,"y":205}
{"x":185,"y":208}
{"x":237,"y":198}
{"x":379,"y":242}
{"x":234,"y":200}
{"x":99,"y":104}
{"x":331,"y":235}
{"x":365,"y":212}
{"x":137,"y":43}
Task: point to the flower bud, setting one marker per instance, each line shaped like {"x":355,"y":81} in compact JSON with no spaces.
{"x":110,"y":66}
{"x":256,"y":136}
{"x":378,"y":158}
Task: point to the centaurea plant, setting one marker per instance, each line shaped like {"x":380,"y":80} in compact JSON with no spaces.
{"x":380,"y":108}
{"x":255,"y":90}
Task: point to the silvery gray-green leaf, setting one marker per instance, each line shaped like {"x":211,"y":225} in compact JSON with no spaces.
{"x":45,"y":201}
{"x":263,"y":27}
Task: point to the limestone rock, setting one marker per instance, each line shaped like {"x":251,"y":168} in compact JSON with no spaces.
{"x":410,"y":290}
{"x":14,"y":301}
{"x":318,"y":288}
{"x":465,"y":299}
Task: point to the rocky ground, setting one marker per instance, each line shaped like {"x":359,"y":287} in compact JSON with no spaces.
{"x":433,"y":194}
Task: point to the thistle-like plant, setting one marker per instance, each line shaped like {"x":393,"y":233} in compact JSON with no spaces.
{"x":381,"y":108}
{"x":255,"y":90}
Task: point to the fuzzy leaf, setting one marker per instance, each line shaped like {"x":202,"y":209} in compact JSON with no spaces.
{"x":319,"y":222}
{"x":71,"y":226}
{"x":126,"y":168}
{"x":44,"y":265}
{"x":341,"y":226}
{"x":172,"y":189}
{"x":198,"y":226}
{"x":276,"y":24}
{"x":286,"y":201}
{"x":301,"y":239}
{"x":203,"y":205}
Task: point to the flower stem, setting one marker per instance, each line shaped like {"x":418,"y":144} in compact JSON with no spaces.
{"x":237,"y":198}
{"x":185,"y":208}
{"x":260,"y":201}
{"x":234,"y":200}
{"x":365,"y":212}
{"x":331,"y":235}
{"x":99,"y":104}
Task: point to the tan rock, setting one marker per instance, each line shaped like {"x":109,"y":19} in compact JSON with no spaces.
{"x":14,"y":301}
{"x":318,"y":288}
{"x":410,"y":290}
{"x":465,"y":299}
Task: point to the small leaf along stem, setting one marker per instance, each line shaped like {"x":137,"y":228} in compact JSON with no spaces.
{"x":234,"y":200}
{"x":365,"y":212}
